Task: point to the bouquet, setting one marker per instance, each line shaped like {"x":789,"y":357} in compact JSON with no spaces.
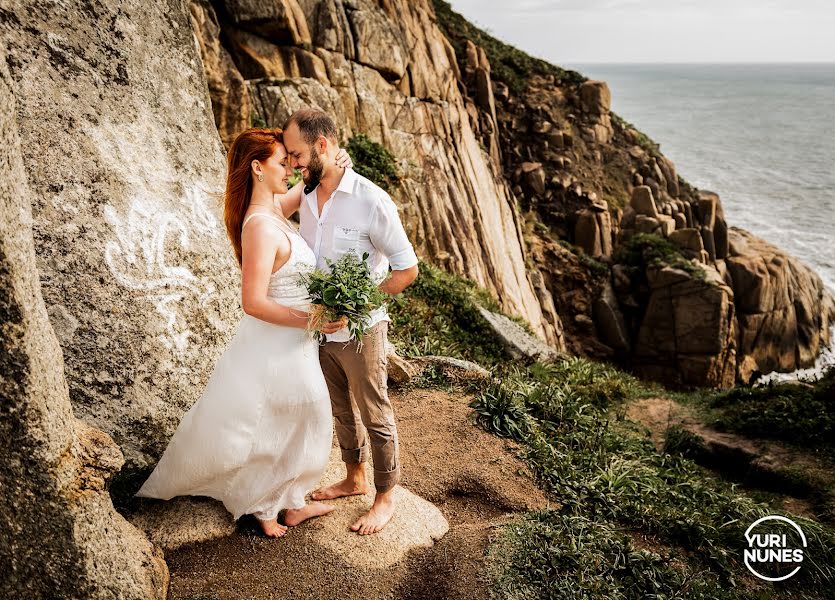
{"x":346,"y":291}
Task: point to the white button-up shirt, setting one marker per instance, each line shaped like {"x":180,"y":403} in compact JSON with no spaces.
{"x":358,"y":217}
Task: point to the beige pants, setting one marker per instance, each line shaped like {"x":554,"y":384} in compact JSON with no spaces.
{"x":358,"y":387}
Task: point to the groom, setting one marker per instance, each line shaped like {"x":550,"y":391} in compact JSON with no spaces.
{"x":342,"y":211}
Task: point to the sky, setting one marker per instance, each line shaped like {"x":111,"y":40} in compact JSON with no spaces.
{"x":585,"y":31}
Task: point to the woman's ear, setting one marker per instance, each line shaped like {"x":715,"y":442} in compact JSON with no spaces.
{"x":256,"y":167}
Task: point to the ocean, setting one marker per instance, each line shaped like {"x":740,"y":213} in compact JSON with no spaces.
{"x":762,"y":136}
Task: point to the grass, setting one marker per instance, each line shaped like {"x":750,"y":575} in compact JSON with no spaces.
{"x":374,"y":161}
{"x":608,"y":480}
{"x":803,"y":415}
{"x":507,"y":64}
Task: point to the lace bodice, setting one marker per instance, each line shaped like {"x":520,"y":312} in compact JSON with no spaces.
{"x":285,"y":284}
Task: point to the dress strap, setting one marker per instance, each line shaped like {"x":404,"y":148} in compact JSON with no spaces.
{"x":283,"y":224}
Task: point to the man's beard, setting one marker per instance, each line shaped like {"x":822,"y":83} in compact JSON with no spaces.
{"x":315,"y":168}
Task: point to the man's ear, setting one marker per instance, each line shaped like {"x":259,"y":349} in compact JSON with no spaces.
{"x":322,"y":145}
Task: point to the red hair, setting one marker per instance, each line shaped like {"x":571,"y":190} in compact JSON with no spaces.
{"x":252,"y":144}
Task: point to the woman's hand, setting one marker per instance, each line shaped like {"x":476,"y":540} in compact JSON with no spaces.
{"x":334,"y":326}
{"x":343,"y":159}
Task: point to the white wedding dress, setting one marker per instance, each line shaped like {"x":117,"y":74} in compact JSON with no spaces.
{"x":259,"y":437}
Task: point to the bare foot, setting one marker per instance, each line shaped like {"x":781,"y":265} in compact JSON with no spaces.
{"x":272,"y":528}
{"x":377,"y":517}
{"x":346,"y":487}
{"x":294,"y":516}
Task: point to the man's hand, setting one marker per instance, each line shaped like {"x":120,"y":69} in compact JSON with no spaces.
{"x":334,"y":326}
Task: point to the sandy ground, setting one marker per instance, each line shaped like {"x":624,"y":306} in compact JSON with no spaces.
{"x":473,"y":477}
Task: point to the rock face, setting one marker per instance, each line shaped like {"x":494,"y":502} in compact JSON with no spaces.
{"x":384,"y":69}
{"x":688,"y":333}
{"x":122,"y":157}
{"x":60,"y":536}
{"x":784,"y":311}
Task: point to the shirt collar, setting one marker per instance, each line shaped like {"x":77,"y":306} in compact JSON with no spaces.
{"x":346,"y":184}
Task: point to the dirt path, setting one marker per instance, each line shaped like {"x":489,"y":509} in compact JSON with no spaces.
{"x":473,"y":477}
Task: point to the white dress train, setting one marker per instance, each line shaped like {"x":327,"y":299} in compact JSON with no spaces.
{"x":259,"y":437}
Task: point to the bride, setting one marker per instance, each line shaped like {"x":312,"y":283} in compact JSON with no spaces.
{"x":259,"y":437}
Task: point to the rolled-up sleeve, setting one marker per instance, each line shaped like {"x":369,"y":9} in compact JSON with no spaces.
{"x":388,"y":236}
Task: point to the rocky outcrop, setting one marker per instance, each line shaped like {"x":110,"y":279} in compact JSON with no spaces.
{"x":688,"y":332}
{"x":784,"y":311}
{"x":60,"y":536}
{"x":228,"y":92}
{"x":123,"y":158}
{"x":777,"y":306}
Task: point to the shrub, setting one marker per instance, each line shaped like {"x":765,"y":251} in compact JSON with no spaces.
{"x":803,"y":414}
{"x":644,"y":250}
{"x":374,"y":161}
{"x":608,"y":480}
{"x":438,"y":314}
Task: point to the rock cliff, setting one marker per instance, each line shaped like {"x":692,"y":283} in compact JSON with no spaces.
{"x":386,"y":70}
{"x":517,"y":175}
{"x":514,"y":173}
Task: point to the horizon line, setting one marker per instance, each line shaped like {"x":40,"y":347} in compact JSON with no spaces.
{"x":697,"y":62}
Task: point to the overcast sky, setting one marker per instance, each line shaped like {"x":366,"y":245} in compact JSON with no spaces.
{"x":582,"y":31}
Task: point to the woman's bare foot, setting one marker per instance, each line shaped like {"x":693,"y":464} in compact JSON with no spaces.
{"x":294,"y":516}
{"x":272,"y":528}
{"x":377,"y":517}
{"x":346,"y":487}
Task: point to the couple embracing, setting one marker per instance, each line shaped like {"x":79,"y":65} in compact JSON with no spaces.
{"x":259,"y":437}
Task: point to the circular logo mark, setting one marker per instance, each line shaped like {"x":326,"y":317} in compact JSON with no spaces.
{"x":772,"y":552}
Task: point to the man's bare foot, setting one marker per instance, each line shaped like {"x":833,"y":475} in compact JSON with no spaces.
{"x":346,"y":487}
{"x":272,"y":528}
{"x":294,"y":516}
{"x":377,"y":517}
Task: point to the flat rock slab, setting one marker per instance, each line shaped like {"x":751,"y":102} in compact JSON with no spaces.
{"x":417,"y":523}
{"x":518,"y":342}
{"x":183,"y":520}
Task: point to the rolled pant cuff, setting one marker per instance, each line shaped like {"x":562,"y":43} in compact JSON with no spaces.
{"x":385,"y":480}
{"x":355,"y":455}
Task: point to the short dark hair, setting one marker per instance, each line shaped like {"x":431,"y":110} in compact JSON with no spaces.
{"x":312,"y":123}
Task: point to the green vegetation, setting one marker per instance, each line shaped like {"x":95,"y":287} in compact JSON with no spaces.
{"x":438,"y":314}
{"x":256,"y":120}
{"x":798,"y":413}
{"x":507,"y":64}
{"x":374,"y":161}
{"x":681,"y":442}
{"x":614,"y":496}
{"x":344,"y":289}
{"x":609,"y":481}
{"x":650,"y":250}
{"x":553,"y":555}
